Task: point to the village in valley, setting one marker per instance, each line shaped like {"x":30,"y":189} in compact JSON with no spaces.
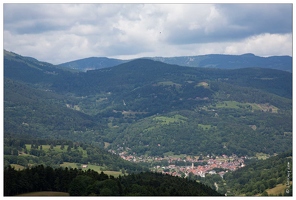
{"x":184,"y":166}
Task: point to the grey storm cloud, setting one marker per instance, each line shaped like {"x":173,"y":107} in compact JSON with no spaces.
{"x":63,"y":32}
{"x":234,"y":22}
{"x":260,"y":18}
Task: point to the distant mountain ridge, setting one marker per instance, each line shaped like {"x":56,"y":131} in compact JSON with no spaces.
{"x":220,"y":61}
{"x":92,"y":63}
{"x":230,"y":61}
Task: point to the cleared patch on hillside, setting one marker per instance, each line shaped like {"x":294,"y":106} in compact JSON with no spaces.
{"x":262,"y":156}
{"x":202,"y":84}
{"x":230,"y":104}
{"x":278,"y":189}
{"x":96,"y":168}
{"x":74,"y":107}
{"x":266,"y":107}
{"x":17,"y":167}
{"x":254,"y":127}
{"x":167,"y":120}
{"x":168,"y":83}
{"x":106,"y":144}
{"x":288,"y":133}
{"x":57,"y":148}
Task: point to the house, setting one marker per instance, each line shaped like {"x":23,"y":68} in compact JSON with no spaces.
{"x":202,"y":174}
{"x":212,"y":172}
{"x":84,"y":166}
{"x":221,"y":174}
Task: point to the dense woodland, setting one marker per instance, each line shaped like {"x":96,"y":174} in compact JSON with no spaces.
{"x":91,"y":183}
{"x":261,"y":175}
{"x":142,"y":107}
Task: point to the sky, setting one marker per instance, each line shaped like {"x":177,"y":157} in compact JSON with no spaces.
{"x":59,"y":33}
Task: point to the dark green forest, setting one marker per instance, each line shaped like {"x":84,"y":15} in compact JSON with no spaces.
{"x":91,"y":183}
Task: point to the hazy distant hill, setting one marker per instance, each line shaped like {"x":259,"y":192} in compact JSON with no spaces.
{"x":92,"y":63}
{"x":231,"y":61}
{"x":206,"y":61}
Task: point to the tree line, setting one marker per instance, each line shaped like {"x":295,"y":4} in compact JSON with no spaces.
{"x":70,"y":152}
{"x":90,"y":183}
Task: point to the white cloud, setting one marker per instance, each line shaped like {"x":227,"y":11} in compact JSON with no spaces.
{"x":264,"y":45}
{"x":59,"y":33}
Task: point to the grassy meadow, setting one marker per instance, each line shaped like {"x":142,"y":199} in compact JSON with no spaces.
{"x":57,"y":148}
{"x":96,"y":168}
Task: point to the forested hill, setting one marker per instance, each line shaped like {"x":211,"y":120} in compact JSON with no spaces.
{"x":219,"y":61}
{"x":138,"y":73}
{"x":143,"y":106}
{"x":30,"y":70}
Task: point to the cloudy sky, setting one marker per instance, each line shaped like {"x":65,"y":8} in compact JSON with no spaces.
{"x":59,"y":33}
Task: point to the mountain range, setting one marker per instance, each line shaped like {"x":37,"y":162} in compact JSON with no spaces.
{"x":206,"y":61}
{"x":241,"y":111}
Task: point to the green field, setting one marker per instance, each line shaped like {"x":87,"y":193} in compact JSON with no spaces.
{"x":262,"y":156}
{"x":17,"y":167}
{"x":58,"y":149}
{"x":96,"y":168}
{"x":230,"y":104}
{"x":167,"y":120}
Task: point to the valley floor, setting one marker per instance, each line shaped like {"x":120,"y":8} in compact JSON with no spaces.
{"x":183,"y":165}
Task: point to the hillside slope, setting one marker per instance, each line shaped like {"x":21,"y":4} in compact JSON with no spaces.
{"x":36,"y":113}
{"x":149,"y":107}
